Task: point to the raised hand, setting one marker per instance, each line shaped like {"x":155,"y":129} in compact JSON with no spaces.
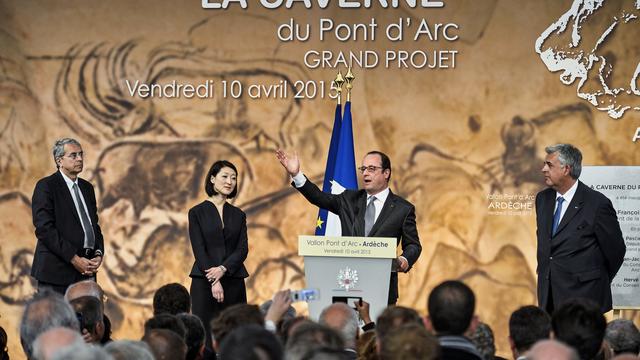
{"x":290,"y":163}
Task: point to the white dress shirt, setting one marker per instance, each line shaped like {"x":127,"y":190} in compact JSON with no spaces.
{"x":568,"y":196}
{"x":70,"y":183}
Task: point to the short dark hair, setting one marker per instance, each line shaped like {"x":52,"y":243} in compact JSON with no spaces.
{"x":166,"y":321}
{"x":310,"y":336}
{"x":213,"y":171}
{"x":527,"y":325}
{"x":251,"y":342}
{"x":623,"y":336}
{"x":171,"y":299}
{"x":385,"y":162}
{"x":580,"y":324}
{"x":393,"y":317}
{"x":90,"y":309}
{"x":451,"y":306}
{"x":195,"y":335}
{"x":165,"y":344}
{"x":233,"y":317}
{"x":410,"y":341}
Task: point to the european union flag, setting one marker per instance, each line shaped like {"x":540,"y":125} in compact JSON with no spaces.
{"x":340,"y":173}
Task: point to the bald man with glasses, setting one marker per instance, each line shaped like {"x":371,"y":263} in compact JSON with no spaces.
{"x":70,"y":244}
{"x":373,"y":211}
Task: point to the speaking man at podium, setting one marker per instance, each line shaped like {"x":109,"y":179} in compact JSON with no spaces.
{"x":372,"y":211}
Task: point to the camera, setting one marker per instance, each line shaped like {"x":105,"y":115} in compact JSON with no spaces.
{"x":305,"y":295}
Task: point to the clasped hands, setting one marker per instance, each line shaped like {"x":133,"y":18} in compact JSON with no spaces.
{"x":214,"y":275}
{"x":86,"y":267}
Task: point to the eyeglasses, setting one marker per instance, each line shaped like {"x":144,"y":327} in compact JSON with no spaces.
{"x":74,"y":155}
{"x":369,"y":168}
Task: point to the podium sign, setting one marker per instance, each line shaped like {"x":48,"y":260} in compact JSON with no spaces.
{"x":346,"y":268}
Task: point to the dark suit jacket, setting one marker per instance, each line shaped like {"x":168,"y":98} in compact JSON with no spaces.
{"x":213,"y":246}
{"x":59,"y":230}
{"x":586,"y":251}
{"x":397,"y":219}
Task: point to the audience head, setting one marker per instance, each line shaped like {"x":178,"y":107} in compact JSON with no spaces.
{"x":4,"y":340}
{"x":47,"y":309}
{"x":89,"y":312}
{"x":165,"y":344}
{"x":82,"y":352}
{"x":580,"y":324}
{"x":410,"y":341}
{"x":289,"y":326}
{"x":251,"y":342}
{"x":551,"y":350}
{"x":395,"y":316}
{"x":310,"y":336}
{"x":623,"y":336}
{"x":195,"y":336}
{"x":166,"y":321}
{"x":527,"y":325}
{"x":129,"y":350}
{"x":289,"y":314}
{"x":171,"y":299}
{"x":483,"y":339}
{"x":85,"y":288}
{"x":342,"y":318}
{"x":451,"y":308}
{"x":231,"y":318}
{"x":53,"y":340}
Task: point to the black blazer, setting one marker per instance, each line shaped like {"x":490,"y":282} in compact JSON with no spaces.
{"x":397,"y":219}
{"x":59,"y":230}
{"x":214,"y":246}
{"x":586,"y":251}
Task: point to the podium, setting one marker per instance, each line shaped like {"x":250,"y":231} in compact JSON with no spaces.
{"x":346,"y":269}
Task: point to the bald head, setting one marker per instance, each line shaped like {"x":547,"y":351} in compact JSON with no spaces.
{"x":551,"y":350}
{"x":340,"y":317}
{"x":52,"y":340}
{"x":84,"y":288}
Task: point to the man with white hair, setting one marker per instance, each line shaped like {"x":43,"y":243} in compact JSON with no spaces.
{"x":47,"y":309}
{"x":339,"y":316}
{"x":54,"y":339}
{"x":551,"y":350}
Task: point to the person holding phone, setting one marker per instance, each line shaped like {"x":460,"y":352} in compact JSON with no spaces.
{"x":218,"y":235}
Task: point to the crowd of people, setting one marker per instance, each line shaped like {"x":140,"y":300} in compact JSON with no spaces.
{"x":75,"y":326}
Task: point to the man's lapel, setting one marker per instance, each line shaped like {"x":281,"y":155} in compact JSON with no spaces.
{"x":66,"y":196}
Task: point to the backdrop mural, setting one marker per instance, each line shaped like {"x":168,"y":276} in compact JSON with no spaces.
{"x":464,"y":141}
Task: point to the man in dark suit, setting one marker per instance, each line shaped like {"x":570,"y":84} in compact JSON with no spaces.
{"x":371,"y":211}
{"x":580,"y":244}
{"x":70,"y":244}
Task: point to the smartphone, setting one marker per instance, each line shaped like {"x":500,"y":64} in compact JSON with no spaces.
{"x":305,"y":295}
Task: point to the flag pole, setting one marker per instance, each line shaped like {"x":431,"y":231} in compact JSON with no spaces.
{"x":337,"y":84}
{"x":349,"y":77}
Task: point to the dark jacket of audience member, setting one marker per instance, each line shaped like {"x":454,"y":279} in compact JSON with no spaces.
{"x":580,"y":324}
{"x":451,"y":308}
{"x":527,"y":325}
{"x":251,"y":342}
{"x":171,"y":299}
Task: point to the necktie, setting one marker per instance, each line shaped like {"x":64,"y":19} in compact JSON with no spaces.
{"x":89,"y":237}
{"x":369,"y":216}
{"x":556,"y":215}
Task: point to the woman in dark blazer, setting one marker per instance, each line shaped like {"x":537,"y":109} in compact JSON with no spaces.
{"x":218,"y":234}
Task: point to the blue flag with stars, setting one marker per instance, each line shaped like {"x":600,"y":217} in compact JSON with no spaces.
{"x":340,"y":173}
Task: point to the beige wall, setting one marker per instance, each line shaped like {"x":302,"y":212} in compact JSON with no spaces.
{"x":454,"y":136}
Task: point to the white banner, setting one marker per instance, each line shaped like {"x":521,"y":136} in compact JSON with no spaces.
{"x":621,"y":184}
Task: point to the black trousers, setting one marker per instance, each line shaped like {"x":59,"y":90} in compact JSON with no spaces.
{"x":204,"y":306}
